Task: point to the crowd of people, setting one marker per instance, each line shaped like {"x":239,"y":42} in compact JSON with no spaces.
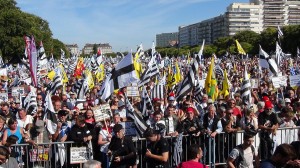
{"x":271,"y":108}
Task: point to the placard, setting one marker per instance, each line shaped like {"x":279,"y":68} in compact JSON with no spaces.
{"x":78,"y":155}
{"x":133,"y":91}
{"x":102,"y":112}
{"x":40,"y":154}
{"x":254,"y":83}
{"x":295,"y":80}
{"x":4,"y":97}
{"x":129,"y":127}
{"x":279,"y":81}
{"x":16,"y":91}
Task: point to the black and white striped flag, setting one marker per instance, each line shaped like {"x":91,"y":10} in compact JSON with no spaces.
{"x":266,"y":62}
{"x":30,"y":103}
{"x":280,"y":56}
{"x":198,"y":92}
{"x":50,"y":117}
{"x":219,"y":71}
{"x":280,"y":33}
{"x":152,"y":71}
{"x":158,"y":91}
{"x":147,"y":105}
{"x":141,"y":125}
{"x":246,"y":88}
{"x":57,"y":82}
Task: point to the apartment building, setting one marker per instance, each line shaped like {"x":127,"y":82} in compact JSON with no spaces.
{"x":73,"y":48}
{"x":166,"y":39}
{"x":104,"y":47}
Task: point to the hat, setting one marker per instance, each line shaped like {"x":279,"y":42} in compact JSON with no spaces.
{"x":287,"y":100}
{"x":171,"y":98}
{"x":117,"y":128}
{"x":39,"y":126}
{"x":210,"y":101}
{"x":190,"y":109}
{"x":268,"y":105}
{"x":121,"y":103}
{"x":62,"y":112}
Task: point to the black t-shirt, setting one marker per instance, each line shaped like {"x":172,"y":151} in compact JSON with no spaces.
{"x":267,"y":120}
{"x":157,"y":148}
{"x":124,"y":148}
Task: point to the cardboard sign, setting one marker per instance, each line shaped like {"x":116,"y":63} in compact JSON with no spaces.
{"x":295,"y":80}
{"x":16,"y":91}
{"x":133,"y":91}
{"x":78,"y":155}
{"x":40,"y":154}
{"x":129,"y":127}
{"x":4,"y":97}
{"x":254,"y":83}
{"x":102,"y":112}
{"x":279,"y":81}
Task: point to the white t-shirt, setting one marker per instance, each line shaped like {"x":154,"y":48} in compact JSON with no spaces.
{"x":248,"y":156}
{"x":28,"y":120}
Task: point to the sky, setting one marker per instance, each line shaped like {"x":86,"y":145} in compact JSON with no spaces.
{"x":123,"y":24}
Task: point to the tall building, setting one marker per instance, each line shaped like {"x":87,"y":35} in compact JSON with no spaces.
{"x":73,"y":48}
{"x":166,"y":39}
{"x":244,"y":16}
{"x":104,"y":47}
{"x":279,"y":12}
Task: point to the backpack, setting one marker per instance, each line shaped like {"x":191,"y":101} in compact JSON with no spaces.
{"x":241,"y":158}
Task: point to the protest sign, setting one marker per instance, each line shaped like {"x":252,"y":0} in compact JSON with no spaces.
{"x":4,"y":97}
{"x":40,"y":154}
{"x":16,"y":91}
{"x":295,"y":80}
{"x":279,"y":81}
{"x":129,"y":127}
{"x":132,"y":91}
{"x":3,"y":72}
{"x":78,"y":155}
{"x":254,"y":83}
{"x":102,"y":112}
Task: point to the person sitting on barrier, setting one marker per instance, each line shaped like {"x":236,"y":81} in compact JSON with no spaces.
{"x":191,"y":125}
{"x":195,"y":154}
{"x":157,"y":153}
{"x":92,"y":164}
{"x":282,"y":155}
{"x":121,"y":149}
{"x":244,"y":154}
{"x":5,"y":160}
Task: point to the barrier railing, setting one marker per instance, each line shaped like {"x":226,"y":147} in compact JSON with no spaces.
{"x":215,"y":151}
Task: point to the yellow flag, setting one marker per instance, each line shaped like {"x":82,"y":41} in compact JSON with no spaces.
{"x":209,"y":75}
{"x":51,"y":75}
{"x":225,"y":83}
{"x":240,"y":49}
{"x":136,"y":63}
{"x":89,"y":79}
{"x":100,"y":74}
{"x":177,"y":74}
{"x":65,"y":78}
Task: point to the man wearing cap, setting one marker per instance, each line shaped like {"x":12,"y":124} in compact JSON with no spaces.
{"x":191,"y":125}
{"x":268,"y":123}
{"x":63,"y":126}
{"x":157,"y":153}
{"x":121,"y":149}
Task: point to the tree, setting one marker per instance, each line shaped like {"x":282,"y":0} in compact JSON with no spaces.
{"x":95,"y":49}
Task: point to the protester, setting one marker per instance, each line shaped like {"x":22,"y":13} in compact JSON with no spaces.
{"x":92,"y":164}
{"x":194,"y":156}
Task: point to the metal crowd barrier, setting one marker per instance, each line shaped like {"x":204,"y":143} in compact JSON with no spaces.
{"x":215,"y":151}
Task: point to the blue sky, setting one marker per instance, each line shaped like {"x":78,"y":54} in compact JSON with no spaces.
{"x":122,"y":23}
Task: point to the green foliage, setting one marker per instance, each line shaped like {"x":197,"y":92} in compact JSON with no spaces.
{"x":95,"y":48}
{"x":15,"y":24}
{"x":57,"y":45}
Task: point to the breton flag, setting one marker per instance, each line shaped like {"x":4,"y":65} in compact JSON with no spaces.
{"x":147,"y":105}
{"x":30,"y":103}
{"x":31,"y":52}
{"x":240,"y":48}
{"x":151,"y":71}
{"x":246,"y":88}
{"x":266,"y":62}
{"x":121,"y":76}
{"x":279,"y":54}
{"x":280,"y":33}
{"x":158,"y":91}
{"x":139,"y":122}
{"x":219,"y":71}
{"x":187,"y":84}
{"x":198,"y":92}
{"x":57,"y":81}
{"x":50,"y":117}
{"x":298,"y":52}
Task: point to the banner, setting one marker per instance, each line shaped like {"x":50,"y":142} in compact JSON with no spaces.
{"x":279,"y":81}
{"x":4,"y":97}
{"x":133,"y":91}
{"x":16,"y":91}
{"x":254,"y":83}
{"x":40,"y":154}
{"x":102,"y":112}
